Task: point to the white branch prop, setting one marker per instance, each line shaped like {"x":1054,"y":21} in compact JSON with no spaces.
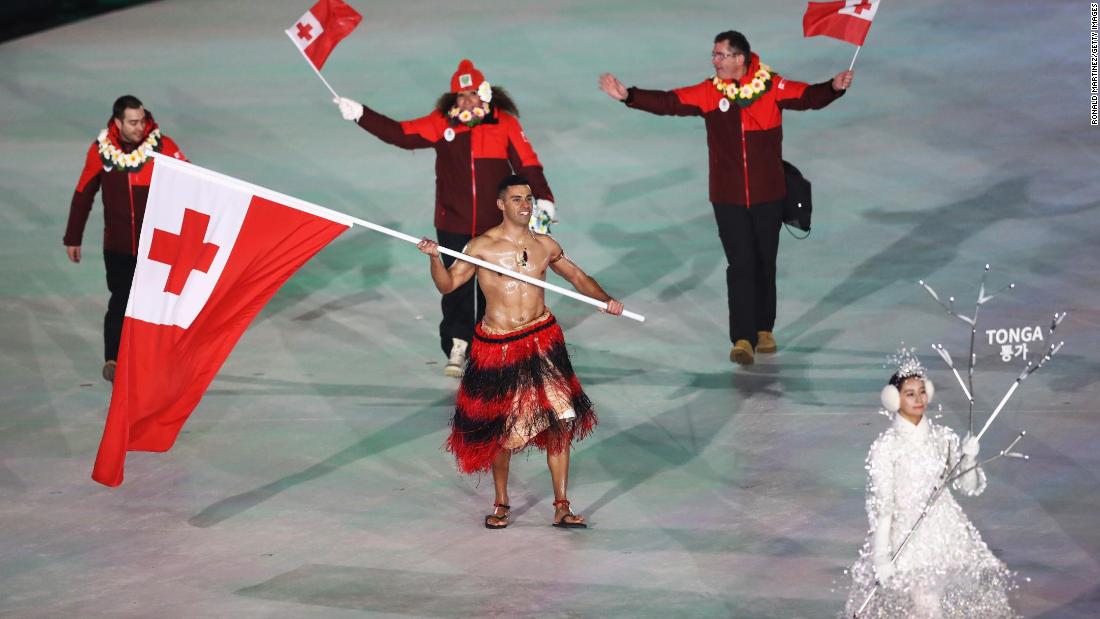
{"x":946,"y":356}
{"x":1029,"y":369}
{"x":1004,"y":400}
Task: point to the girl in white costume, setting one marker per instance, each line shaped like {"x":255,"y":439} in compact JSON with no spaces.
{"x":945,"y":570}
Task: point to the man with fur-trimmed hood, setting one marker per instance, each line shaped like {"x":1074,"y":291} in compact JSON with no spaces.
{"x":478,"y":141}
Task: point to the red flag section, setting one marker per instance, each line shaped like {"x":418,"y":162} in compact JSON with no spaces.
{"x":213,"y":250}
{"x":318,"y":31}
{"x":847,"y":20}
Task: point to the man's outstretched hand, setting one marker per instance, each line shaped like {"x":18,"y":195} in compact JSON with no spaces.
{"x":615,"y":308}
{"x":842,"y":81}
{"x":428,"y":246}
{"x":613,"y":87}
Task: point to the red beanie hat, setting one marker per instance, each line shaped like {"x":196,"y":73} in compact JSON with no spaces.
{"x":467,"y":77}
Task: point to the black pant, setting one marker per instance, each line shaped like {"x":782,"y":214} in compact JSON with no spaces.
{"x":459,"y":315}
{"x":750,"y":238}
{"x":120,"y":275}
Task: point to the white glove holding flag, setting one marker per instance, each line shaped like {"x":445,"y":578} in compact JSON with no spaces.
{"x":350,"y":109}
{"x":544,"y":214}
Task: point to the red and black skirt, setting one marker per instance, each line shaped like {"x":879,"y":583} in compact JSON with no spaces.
{"x":518,"y":390}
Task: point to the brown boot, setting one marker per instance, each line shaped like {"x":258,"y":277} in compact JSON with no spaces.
{"x":765,"y":342}
{"x":741,"y":353}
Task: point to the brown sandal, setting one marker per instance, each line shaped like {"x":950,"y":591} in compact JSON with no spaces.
{"x":561,"y":523}
{"x":497,"y":520}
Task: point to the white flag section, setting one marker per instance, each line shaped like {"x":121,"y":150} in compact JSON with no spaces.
{"x":188,"y":214}
{"x":306,"y":30}
{"x":863,"y":9}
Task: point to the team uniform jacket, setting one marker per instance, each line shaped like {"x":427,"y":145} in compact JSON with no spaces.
{"x":745,"y":143}
{"x":124,"y":193}
{"x":469,"y":162}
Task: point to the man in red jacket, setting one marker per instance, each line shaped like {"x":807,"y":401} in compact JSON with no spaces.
{"x":742,"y":106}
{"x":478,"y":141}
{"x":118,"y":162}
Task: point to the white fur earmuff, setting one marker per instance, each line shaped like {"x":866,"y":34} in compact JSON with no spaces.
{"x":891,"y":399}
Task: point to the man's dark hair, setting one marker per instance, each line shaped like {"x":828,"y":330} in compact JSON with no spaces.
{"x":737,"y":41}
{"x":123,"y":103}
{"x":510,"y":181}
{"x":501,"y":101}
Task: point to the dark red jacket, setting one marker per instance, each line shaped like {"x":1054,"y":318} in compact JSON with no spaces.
{"x":124,"y":193}
{"x":468,"y":166}
{"x":745,"y":143}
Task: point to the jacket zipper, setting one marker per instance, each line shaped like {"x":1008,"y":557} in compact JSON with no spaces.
{"x":133,"y":217}
{"x":473,"y":187}
{"x":744,"y":156}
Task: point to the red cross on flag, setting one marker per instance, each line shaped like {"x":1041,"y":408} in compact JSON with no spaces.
{"x":212,"y":251}
{"x":847,"y":20}
{"x":318,"y":31}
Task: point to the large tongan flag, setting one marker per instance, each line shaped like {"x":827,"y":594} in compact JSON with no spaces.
{"x":847,"y":20}
{"x":213,"y":250}
{"x":318,"y":31}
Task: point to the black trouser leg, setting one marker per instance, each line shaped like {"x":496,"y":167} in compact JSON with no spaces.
{"x":459,"y":316}
{"x":120,"y":276}
{"x":750,"y":239}
{"x":735,"y":231}
{"x":766,"y":222}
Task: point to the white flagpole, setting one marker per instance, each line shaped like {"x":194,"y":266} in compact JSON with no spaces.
{"x":310,"y":63}
{"x":327,"y":213}
{"x":858,"y":47}
{"x":499,"y":269}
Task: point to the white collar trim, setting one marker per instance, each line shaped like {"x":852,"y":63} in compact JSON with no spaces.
{"x":910,"y":431}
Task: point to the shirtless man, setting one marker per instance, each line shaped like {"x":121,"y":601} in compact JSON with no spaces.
{"x":519,"y":388}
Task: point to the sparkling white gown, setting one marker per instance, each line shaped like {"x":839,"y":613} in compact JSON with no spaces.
{"x":945,"y":570}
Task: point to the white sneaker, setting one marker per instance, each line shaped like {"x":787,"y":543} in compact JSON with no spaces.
{"x":457,"y":363}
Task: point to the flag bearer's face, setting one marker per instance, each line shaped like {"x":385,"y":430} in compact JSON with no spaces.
{"x":132,"y":124}
{"x":467,"y":100}
{"x":517,"y":203}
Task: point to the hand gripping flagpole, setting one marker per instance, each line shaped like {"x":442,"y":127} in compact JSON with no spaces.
{"x":311,"y":65}
{"x":285,"y":199}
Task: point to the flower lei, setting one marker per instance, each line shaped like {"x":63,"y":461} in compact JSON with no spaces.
{"x":472,"y":118}
{"x":753,"y":90}
{"x":133,"y":161}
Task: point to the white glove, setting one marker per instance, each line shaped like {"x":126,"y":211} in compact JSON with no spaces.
{"x":542,"y":216}
{"x":884,"y":570}
{"x":970,"y":447}
{"x":350,"y":109}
